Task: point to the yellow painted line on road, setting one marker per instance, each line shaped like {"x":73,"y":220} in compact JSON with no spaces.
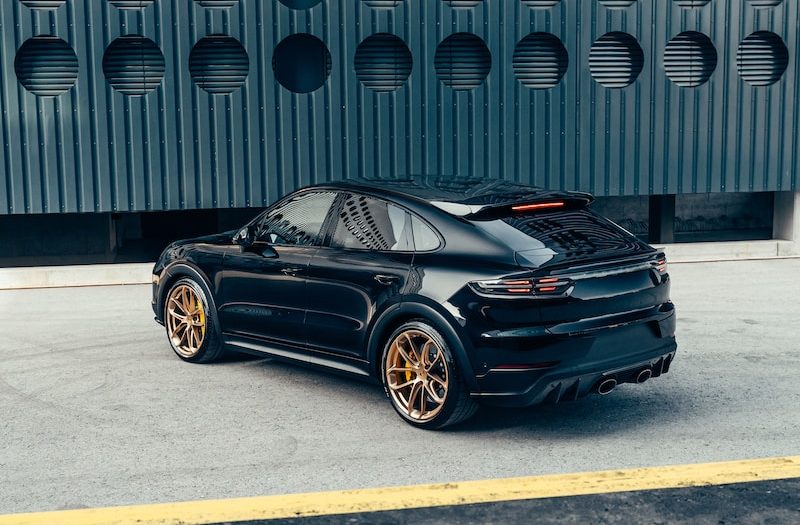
{"x":420,"y":496}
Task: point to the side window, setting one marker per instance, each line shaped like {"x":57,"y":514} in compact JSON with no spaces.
{"x":366,"y":223}
{"x":425,"y":240}
{"x":297,"y":221}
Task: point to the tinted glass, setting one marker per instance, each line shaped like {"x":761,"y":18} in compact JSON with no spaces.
{"x":571,"y":235}
{"x":425,"y":240}
{"x":372,"y":224}
{"x":298,"y":221}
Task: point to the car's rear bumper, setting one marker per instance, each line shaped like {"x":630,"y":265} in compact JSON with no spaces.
{"x":567,"y":366}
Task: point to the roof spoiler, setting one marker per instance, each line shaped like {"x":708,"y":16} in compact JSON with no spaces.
{"x":537,"y":203}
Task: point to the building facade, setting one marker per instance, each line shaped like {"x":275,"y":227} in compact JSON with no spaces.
{"x":144,"y":105}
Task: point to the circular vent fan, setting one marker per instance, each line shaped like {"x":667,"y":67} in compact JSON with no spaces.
{"x":300,"y":4}
{"x":462,"y":61}
{"x":46,"y":66}
{"x":762,"y":58}
{"x":540,"y":4}
{"x":133,"y":65}
{"x":462,"y":4}
{"x":219,"y":64}
{"x":617,"y":4}
{"x":689,"y":59}
{"x":382,"y":4}
{"x":691,"y":3}
{"x":383,"y":62}
{"x":615,"y":60}
{"x":131,"y":4}
{"x":302,"y":63}
{"x":218,"y":4}
{"x":43,"y":4}
{"x":540,"y":61}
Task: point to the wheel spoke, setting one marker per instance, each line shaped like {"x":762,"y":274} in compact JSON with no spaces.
{"x":404,"y":354}
{"x":176,"y":315}
{"x":399,"y":369}
{"x":434,"y":395}
{"x":177,"y":304}
{"x":433,"y":363}
{"x":412,"y":397}
{"x":401,"y":386}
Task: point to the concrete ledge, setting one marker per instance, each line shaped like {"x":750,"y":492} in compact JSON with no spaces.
{"x":82,"y":275}
{"x":140,"y":273}
{"x":728,"y":251}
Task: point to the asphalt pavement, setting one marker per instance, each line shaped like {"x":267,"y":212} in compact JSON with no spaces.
{"x":95,"y":409}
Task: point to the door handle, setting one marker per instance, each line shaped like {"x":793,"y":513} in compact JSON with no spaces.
{"x":387,"y":280}
{"x":292,"y":272}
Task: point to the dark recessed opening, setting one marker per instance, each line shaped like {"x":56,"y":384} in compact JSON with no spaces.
{"x":540,"y":61}
{"x":46,"y":66}
{"x":762,"y":58}
{"x":219,"y":64}
{"x":690,"y":59}
{"x":302,"y":63}
{"x":43,"y":4}
{"x":383,"y":62}
{"x":615,"y":60}
{"x":462,"y":61}
{"x":131,"y":4}
{"x":300,"y":4}
{"x":133,"y":65}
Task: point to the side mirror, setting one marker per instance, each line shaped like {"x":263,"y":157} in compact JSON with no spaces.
{"x":246,"y":237}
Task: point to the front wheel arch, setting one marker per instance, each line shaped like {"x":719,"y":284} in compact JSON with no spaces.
{"x":178,"y":270}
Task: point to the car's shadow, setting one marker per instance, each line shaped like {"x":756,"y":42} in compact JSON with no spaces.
{"x":629,"y":407}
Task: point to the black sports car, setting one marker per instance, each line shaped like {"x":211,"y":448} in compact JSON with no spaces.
{"x":450,"y":292}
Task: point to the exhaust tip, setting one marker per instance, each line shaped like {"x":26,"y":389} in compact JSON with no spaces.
{"x":606,"y":386}
{"x":644,"y":375}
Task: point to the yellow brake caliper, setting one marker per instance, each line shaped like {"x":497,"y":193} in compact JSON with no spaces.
{"x":202,"y":315}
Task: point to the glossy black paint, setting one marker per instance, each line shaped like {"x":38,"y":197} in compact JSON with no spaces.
{"x":334,"y":307}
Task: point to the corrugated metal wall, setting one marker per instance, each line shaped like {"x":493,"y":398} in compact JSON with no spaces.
{"x":96,"y":147}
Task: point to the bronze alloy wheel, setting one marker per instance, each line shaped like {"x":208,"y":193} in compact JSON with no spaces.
{"x":186,"y":320}
{"x":416,"y":375}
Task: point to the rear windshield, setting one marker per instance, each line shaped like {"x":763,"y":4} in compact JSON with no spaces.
{"x":551,"y":238}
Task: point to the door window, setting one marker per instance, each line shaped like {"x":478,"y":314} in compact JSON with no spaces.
{"x":367,"y":223}
{"x":297,"y":221}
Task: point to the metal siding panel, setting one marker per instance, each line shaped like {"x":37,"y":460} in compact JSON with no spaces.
{"x":96,"y":149}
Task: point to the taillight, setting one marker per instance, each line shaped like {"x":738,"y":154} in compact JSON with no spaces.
{"x":661,"y":265}
{"x":541,"y":287}
{"x":539,"y":206}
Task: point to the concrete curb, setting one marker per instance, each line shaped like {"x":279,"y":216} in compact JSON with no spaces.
{"x":140,"y":273}
{"x":81,"y":275}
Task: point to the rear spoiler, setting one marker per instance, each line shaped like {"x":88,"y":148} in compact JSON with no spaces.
{"x":536,"y":203}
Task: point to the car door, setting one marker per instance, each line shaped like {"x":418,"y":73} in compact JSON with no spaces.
{"x":362,"y":267}
{"x":264,"y":290}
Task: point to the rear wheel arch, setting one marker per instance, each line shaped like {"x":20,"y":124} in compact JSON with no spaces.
{"x":402,"y":313}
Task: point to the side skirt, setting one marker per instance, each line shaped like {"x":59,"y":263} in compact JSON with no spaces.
{"x":344,"y":365}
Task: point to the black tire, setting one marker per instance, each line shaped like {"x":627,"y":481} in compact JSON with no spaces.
{"x":457,"y":407}
{"x":212,"y":348}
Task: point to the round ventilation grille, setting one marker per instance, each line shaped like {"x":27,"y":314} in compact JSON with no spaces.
{"x":462,"y":4}
{"x":43,"y":4}
{"x":691,"y":3}
{"x":689,"y":59}
{"x":382,"y":4}
{"x":540,"y":4}
{"x":462,"y":61}
{"x":133,"y":65}
{"x":617,"y":4}
{"x":540,"y":61}
{"x":383,"y":62}
{"x":217,"y":4}
{"x":615,"y":60}
{"x":300,"y":4}
{"x":762,"y":58}
{"x":302,"y":63}
{"x":46,"y":66}
{"x":219,"y":64}
{"x":762,"y":4}
{"x":131,"y":4}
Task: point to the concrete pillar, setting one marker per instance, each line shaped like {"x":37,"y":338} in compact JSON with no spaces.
{"x":786,"y":222}
{"x":662,"y":218}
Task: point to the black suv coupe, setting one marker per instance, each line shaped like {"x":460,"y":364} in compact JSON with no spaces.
{"x":450,"y":292}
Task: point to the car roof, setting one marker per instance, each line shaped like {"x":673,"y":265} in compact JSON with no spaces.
{"x":435,"y":189}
